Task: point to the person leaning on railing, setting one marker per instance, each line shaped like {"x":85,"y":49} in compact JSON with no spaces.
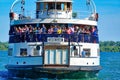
{"x":75,"y":33}
{"x":94,"y":34}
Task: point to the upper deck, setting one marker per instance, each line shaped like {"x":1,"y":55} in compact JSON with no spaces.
{"x":52,"y":13}
{"x":47,"y":11}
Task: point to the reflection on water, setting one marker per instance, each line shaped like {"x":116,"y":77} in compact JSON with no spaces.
{"x":4,"y":75}
{"x":110,"y":63}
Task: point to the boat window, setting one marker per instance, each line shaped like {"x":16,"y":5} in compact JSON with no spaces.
{"x":41,"y":6}
{"x":10,"y":51}
{"x":46,"y":6}
{"x":58,"y":6}
{"x":98,"y":52}
{"x":74,"y":52}
{"x":51,"y":6}
{"x":68,"y":6}
{"x":62,"y":6}
{"x":37,"y":51}
{"x":23,"y":52}
{"x":86,"y":53}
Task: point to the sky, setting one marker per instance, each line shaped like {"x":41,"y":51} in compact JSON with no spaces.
{"x":108,"y":23}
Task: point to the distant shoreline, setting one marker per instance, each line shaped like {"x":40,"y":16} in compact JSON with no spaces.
{"x":3,"y":45}
{"x":105,"y":46}
{"x":109,"y":46}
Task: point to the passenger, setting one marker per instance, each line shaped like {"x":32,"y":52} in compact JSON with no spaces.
{"x":72,"y":30}
{"x":94,"y":35}
{"x":16,"y":35}
{"x":30,"y":37}
{"x":87,"y":34}
{"x":36,"y":33}
{"x":82,"y":34}
{"x":30,"y":29}
{"x":16,"y":30}
{"x":26,"y":29}
{"x":43,"y":29}
{"x":50,"y":30}
{"x":74,"y":33}
{"x":59,"y":31}
{"x":79,"y":34}
{"x":55,"y":29}
{"x":83,"y":53}
{"x":22,"y":34}
{"x":78,"y":31}
{"x":67,"y":36}
{"x":64,"y":30}
{"x":68,"y":30}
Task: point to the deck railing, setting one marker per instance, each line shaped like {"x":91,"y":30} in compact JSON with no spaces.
{"x":52,"y":14}
{"x":32,"y":37}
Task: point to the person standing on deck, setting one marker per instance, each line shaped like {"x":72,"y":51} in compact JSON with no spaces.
{"x":43,"y":29}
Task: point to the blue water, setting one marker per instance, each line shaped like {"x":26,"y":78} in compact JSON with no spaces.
{"x":110,"y":63}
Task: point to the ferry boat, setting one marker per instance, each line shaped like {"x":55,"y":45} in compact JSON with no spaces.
{"x":54,"y":41}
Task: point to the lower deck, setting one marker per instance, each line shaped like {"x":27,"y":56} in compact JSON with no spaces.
{"x":53,"y":54}
{"x":63,"y":59}
{"x":23,"y":61}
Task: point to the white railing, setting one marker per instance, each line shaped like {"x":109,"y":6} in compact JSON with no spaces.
{"x":82,"y":14}
{"x":52,"y":14}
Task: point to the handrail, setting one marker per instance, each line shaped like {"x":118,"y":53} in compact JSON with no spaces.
{"x":41,"y":13}
{"x":94,"y":6}
{"x":14,"y":3}
{"x":36,"y":37}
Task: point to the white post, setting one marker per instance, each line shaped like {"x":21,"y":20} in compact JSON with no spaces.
{"x":55,"y":9}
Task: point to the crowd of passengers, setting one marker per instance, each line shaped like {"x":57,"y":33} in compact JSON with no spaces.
{"x":29,"y":33}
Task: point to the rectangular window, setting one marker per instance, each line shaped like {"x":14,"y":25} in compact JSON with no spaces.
{"x":59,"y":6}
{"x":36,"y":52}
{"x":98,"y":52}
{"x":23,"y":52}
{"x":10,"y":51}
{"x":51,"y":6}
{"x":87,"y":52}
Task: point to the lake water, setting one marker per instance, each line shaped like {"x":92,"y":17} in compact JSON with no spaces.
{"x":110,"y":63}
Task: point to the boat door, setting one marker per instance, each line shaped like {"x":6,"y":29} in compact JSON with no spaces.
{"x":56,"y":55}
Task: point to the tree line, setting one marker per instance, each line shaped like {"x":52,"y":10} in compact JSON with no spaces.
{"x":3,"y":45}
{"x":105,"y":46}
{"x":110,"y":46}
